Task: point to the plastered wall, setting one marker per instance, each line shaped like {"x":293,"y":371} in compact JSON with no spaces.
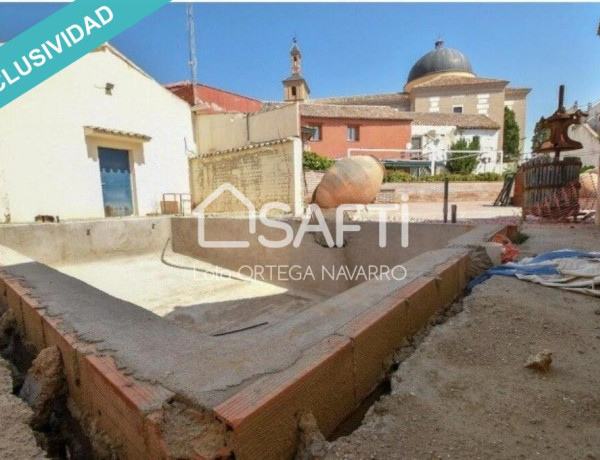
{"x":51,"y":167}
{"x":223,"y":131}
{"x":484,"y":101}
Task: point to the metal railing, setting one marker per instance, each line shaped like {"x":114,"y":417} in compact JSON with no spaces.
{"x":433,"y":157}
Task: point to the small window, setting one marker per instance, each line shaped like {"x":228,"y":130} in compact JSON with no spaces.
{"x":417,"y":143}
{"x":457,"y":108}
{"x":353,"y":134}
{"x":293,"y":91}
{"x":317,"y":136}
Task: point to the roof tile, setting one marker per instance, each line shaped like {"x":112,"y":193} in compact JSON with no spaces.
{"x":390,"y":99}
{"x":358,"y":112}
{"x":460,"y":120}
{"x":446,"y":80}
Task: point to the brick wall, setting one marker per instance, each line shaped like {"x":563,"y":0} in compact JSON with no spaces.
{"x":309,"y":183}
{"x":417,"y":191}
{"x":263,"y":174}
{"x":434,"y":191}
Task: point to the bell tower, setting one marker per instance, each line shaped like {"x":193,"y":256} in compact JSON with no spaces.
{"x":295,"y":87}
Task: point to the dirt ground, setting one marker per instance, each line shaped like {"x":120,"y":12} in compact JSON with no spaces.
{"x":16,"y":438}
{"x":465,"y":392}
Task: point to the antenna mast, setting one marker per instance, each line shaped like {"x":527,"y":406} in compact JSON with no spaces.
{"x":192,"y":43}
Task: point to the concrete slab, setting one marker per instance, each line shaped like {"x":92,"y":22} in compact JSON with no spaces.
{"x":188,"y":290}
{"x":276,"y":363}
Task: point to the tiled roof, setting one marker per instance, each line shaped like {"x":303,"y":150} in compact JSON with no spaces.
{"x":267,"y":106}
{"x":246,"y":147}
{"x":185,"y":83}
{"x":366,"y":99}
{"x":517,"y":91}
{"x":116,"y":132}
{"x":371,"y":112}
{"x":455,"y":80}
{"x":357,"y":112}
{"x":295,"y":77}
{"x":460,"y":120}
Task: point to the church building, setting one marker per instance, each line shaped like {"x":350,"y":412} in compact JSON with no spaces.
{"x":441,"y":90}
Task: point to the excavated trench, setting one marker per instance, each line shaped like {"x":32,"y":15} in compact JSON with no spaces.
{"x":409,"y":346}
{"x":40,"y":382}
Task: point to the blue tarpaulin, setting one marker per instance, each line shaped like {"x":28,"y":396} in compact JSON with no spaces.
{"x":539,"y":265}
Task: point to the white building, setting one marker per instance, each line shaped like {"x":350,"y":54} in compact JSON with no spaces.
{"x":590,"y":153}
{"x":433,"y":134}
{"x":587,"y":133}
{"x":100,"y":138}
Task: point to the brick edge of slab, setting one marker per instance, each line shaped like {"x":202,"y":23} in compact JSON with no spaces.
{"x":358,"y":352}
{"x":127,"y":410}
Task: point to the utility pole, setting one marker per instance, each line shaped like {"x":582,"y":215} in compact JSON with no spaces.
{"x":192,"y":46}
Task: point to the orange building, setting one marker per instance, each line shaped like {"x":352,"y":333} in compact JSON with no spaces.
{"x":338,"y":128}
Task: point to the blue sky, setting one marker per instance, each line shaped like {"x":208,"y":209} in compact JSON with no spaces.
{"x":353,"y":48}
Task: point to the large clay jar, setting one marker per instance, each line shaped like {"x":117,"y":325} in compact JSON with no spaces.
{"x":353,"y":180}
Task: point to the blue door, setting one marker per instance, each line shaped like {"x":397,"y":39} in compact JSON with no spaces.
{"x":115,"y":175}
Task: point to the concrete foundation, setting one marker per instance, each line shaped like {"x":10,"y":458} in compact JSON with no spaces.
{"x":142,"y":344}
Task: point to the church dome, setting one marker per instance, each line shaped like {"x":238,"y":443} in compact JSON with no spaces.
{"x":441,"y":59}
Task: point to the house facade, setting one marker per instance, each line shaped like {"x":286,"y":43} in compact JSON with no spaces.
{"x":338,"y":129}
{"x":588,"y":133}
{"x":434,"y":133}
{"x":99,"y":139}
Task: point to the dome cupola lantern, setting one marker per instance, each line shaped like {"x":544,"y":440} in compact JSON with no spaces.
{"x":438,"y":62}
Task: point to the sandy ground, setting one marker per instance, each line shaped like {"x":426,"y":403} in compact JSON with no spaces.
{"x":16,"y":438}
{"x":549,"y":237}
{"x":465,"y":393}
{"x":466,"y":211}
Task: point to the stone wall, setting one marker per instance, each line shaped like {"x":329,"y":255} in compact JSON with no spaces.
{"x":417,"y":191}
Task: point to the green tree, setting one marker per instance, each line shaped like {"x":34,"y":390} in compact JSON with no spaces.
{"x":512,"y":134}
{"x":460,"y":162}
{"x":540,"y":135}
{"x":316,"y":162}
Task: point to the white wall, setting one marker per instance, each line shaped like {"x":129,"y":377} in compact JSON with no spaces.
{"x":4,"y":203}
{"x":446,"y":135}
{"x":223,"y":131}
{"x":593,"y":116}
{"x":50,"y":165}
{"x":488,"y":140}
{"x":590,"y":154}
